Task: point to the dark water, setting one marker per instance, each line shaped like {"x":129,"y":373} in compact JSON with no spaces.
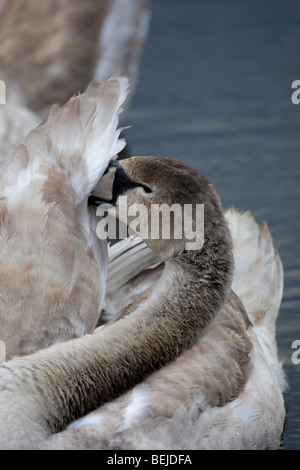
{"x":215,"y":91}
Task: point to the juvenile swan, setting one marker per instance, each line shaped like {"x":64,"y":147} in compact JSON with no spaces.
{"x":40,"y":394}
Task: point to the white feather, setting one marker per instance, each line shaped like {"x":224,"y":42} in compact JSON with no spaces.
{"x":82,"y":136}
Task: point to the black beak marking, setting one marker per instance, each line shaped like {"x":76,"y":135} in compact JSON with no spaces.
{"x":121,"y":184}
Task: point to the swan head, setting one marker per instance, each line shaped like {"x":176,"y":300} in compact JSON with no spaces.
{"x":174,"y":208}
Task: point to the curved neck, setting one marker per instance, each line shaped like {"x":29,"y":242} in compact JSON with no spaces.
{"x":57,"y":385}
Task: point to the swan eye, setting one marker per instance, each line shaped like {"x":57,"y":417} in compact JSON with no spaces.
{"x":146,"y":189}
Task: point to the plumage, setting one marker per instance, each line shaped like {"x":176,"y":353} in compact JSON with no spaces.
{"x":53,"y":49}
{"x":217,"y":387}
{"x":225,"y":392}
{"x":97,"y":368}
{"x":15,"y":123}
{"x":53,"y":267}
{"x":132,"y":269}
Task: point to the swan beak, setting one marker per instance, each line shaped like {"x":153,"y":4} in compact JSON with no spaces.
{"x":103,"y":192}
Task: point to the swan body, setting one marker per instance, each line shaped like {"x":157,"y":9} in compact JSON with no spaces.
{"x":211,"y":384}
{"x":88,"y":371}
{"x":53,"y":267}
{"x":225,"y":392}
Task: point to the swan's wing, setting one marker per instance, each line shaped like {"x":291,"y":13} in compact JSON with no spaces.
{"x":51,"y":50}
{"x":122,"y":38}
{"x":132,"y":269}
{"x":15,"y":123}
{"x":81,"y":137}
{"x":128,"y":259}
{"x":258,"y":262}
{"x":258,"y":280}
{"x":53,"y":267}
